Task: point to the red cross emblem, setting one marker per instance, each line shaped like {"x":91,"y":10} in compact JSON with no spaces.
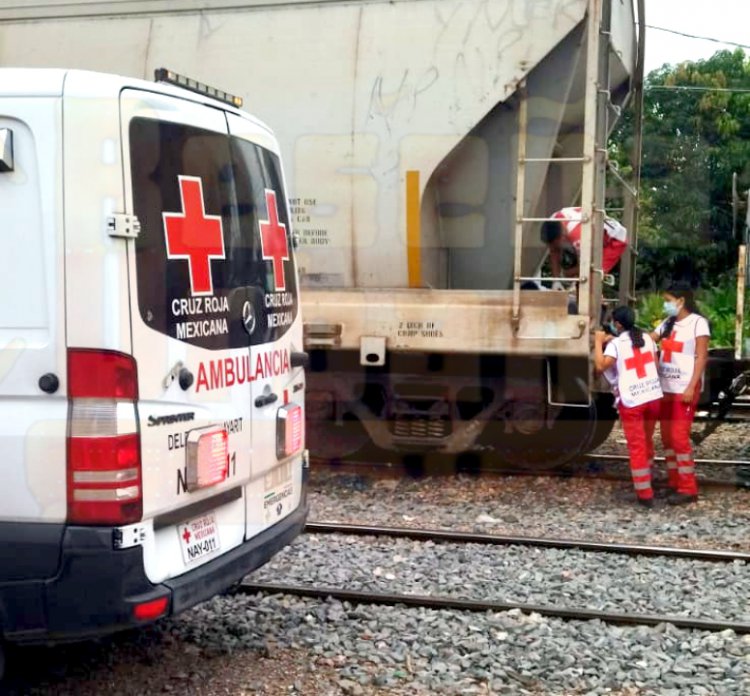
{"x":273,"y":242}
{"x":670,"y":345}
{"x":194,"y":236}
{"x":639,"y":361}
{"x":186,"y":535}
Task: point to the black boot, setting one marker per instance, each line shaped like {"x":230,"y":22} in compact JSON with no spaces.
{"x":681,"y":499}
{"x":646,"y":502}
{"x":662,"y":493}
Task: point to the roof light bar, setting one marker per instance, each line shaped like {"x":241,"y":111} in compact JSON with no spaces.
{"x":173,"y":78}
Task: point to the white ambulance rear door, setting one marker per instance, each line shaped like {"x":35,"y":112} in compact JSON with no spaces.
{"x":278,"y":383}
{"x":33,"y":402}
{"x":188,"y":278}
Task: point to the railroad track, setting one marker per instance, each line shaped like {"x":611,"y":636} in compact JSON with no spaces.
{"x":578,"y":469}
{"x":476,"y":605}
{"x":458,"y":604}
{"x":443,"y":536}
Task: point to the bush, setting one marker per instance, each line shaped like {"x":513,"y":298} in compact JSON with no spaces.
{"x":717,"y":304}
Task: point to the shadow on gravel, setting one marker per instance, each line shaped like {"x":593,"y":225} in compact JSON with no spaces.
{"x":61,"y":669}
{"x":161,"y":660}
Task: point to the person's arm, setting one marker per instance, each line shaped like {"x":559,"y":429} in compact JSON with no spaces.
{"x":572,"y":272}
{"x":701,"y":359}
{"x":656,"y":333}
{"x":602,"y":362}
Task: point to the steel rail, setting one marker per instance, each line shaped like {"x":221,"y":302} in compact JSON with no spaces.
{"x":707,"y":462}
{"x":432,"y":602}
{"x":443,"y":536}
{"x":563,"y":472}
{"x":570,"y":474}
{"x":582,"y":459}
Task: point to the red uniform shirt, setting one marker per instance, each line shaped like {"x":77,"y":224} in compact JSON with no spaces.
{"x":615,"y":236}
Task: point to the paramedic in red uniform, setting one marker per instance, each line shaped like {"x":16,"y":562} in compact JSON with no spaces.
{"x":629,"y":364}
{"x":683,"y":339}
{"x":564,"y":231}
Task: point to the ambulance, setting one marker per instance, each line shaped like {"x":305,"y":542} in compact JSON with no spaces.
{"x":151,"y":363}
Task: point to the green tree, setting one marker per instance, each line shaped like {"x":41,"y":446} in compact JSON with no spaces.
{"x":693,"y":140}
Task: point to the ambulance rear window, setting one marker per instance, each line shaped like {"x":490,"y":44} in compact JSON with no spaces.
{"x":214,"y":259}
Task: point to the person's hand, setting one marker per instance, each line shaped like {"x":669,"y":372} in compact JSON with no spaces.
{"x":688,"y":395}
{"x":602,"y":337}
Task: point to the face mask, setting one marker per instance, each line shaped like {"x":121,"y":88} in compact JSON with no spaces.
{"x":613,"y":329}
{"x":671,"y":309}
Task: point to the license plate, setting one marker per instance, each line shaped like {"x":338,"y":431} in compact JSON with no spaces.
{"x":199,"y":538}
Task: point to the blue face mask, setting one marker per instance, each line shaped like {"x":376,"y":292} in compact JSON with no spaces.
{"x":671,"y":309}
{"x":613,"y":329}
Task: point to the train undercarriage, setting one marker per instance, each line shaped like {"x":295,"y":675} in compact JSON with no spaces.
{"x":530,"y":411}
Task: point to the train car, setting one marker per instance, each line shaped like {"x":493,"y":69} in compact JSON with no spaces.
{"x":425,"y":143}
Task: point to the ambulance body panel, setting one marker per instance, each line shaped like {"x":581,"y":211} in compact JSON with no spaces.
{"x":151,"y":282}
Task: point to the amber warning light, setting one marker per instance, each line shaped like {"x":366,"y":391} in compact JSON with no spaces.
{"x":173,"y":78}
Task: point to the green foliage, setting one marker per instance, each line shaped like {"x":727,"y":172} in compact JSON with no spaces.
{"x":718,"y":304}
{"x":650,"y":310}
{"x":693,"y":141}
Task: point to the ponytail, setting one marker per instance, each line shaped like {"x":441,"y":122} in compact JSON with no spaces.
{"x":626,"y":317}
{"x":668,"y":327}
{"x":636,"y":336}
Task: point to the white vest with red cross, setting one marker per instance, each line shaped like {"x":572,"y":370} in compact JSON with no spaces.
{"x":677,"y":352}
{"x":637,"y":376}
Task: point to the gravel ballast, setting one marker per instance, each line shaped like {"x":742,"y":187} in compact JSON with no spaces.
{"x":532,"y":506}
{"x":290,"y":645}
{"x":397,"y":650}
{"x":565,"y":578}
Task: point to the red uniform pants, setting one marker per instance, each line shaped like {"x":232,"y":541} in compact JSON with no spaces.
{"x":639,"y":423}
{"x":676,"y":419}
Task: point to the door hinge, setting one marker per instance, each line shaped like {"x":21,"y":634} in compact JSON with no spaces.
{"x":122,"y":225}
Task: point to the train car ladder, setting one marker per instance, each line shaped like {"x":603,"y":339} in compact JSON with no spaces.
{"x":594,"y":164}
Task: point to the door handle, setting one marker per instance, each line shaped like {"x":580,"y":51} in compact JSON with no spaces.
{"x":299,"y":359}
{"x":185,"y":378}
{"x":265,"y":400}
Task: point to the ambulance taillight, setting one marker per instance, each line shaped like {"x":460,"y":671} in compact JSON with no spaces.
{"x":103,"y":448}
{"x":289,"y":430}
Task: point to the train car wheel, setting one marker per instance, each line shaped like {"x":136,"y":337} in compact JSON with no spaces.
{"x":606,"y":417}
{"x":327,"y":439}
{"x":547,"y":446}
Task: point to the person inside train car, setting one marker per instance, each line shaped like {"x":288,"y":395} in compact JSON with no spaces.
{"x":563,"y":233}
{"x":629,"y":364}
{"x":683,"y":339}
